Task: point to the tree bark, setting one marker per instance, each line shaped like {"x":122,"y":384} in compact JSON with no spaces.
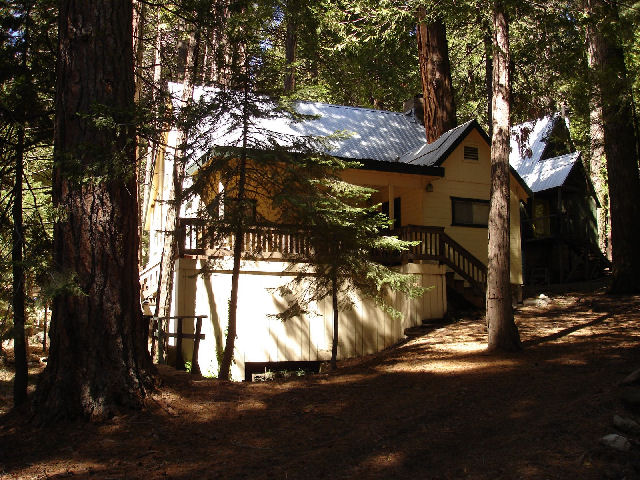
{"x":227,"y":355}
{"x":98,"y":360}
{"x":503,"y":333}
{"x":336,"y":313}
{"x":291,"y":45}
{"x":174,"y":193}
{"x":435,"y":71}
{"x":19,"y":340}
{"x":597,"y":166}
{"x":18,"y":290}
{"x":614,"y":94}
{"x":488,"y":75}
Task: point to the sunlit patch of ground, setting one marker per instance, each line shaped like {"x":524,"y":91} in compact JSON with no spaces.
{"x":434,"y":407}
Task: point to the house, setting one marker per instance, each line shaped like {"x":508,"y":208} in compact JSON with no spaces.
{"x":559,"y":227}
{"x":436,"y":194}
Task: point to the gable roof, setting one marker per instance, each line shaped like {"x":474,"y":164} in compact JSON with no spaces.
{"x":364,"y":134}
{"x":435,"y":153}
{"x":528,"y":143}
{"x":551,"y":172}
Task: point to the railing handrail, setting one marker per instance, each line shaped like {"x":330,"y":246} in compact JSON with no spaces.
{"x":435,"y":244}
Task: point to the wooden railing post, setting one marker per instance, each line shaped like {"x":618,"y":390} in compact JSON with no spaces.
{"x":179,"y":359}
{"x":180,"y":236}
{"x":161,"y":337}
{"x":195,"y":366}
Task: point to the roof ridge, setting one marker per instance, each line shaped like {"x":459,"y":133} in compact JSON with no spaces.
{"x":351,"y":107}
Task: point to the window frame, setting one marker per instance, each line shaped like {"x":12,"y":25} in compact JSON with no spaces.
{"x":472,"y":201}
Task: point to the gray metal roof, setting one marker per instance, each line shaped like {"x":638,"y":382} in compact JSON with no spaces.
{"x":432,"y":154}
{"x":528,"y":142}
{"x":366,"y":134}
{"x":372,"y":134}
{"x":551,"y":172}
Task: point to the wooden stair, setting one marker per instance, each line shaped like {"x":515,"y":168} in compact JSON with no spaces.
{"x":461,"y":293}
{"x":428,"y":326}
{"x":471,"y":281}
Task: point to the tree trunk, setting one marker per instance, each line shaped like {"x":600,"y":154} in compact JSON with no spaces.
{"x":18,"y":292}
{"x":139,"y":19}
{"x":227,"y":355}
{"x":607,"y":61}
{"x":503,"y":333}
{"x":291,"y":44}
{"x":174,"y":194}
{"x":488,"y":75}
{"x":433,"y":54}
{"x":152,"y":150}
{"x":98,"y":360}
{"x":597,"y":165}
{"x":19,"y":340}
{"x":334,"y":301}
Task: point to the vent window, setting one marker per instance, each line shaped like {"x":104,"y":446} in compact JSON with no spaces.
{"x":471,"y":153}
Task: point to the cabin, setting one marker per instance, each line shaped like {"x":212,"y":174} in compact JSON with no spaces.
{"x":436,"y":194}
{"x":559,"y":226}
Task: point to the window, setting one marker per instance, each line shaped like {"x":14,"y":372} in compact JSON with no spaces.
{"x":469,"y":212}
{"x":541,"y":221}
{"x":471,"y":153}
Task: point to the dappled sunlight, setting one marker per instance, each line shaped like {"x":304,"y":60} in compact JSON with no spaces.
{"x":461,"y":347}
{"x":437,"y":406}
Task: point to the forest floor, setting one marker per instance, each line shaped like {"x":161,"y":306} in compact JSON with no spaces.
{"x":434,"y":407}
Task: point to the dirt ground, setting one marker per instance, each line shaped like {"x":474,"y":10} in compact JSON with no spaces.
{"x":435,"y":407}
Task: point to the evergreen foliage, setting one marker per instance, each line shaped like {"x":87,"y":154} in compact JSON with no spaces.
{"x":346,"y":235}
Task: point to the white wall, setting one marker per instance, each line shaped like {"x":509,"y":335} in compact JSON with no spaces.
{"x":263,"y":338}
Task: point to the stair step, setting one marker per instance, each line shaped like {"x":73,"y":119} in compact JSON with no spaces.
{"x":434,"y":321}
{"x":418,"y":331}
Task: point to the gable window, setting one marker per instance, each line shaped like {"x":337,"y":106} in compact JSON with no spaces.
{"x":469,"y":212}
{"x":471,"y":153}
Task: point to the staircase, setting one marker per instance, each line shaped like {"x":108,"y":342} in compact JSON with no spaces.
{"x":437,"y":245}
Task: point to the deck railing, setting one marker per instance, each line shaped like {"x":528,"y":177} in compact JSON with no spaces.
{"x":259,"y":241}
{"x":437,"y":245}
{"x":290,"y":242}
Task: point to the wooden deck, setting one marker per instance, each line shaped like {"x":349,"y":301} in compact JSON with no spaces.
{"x":291,"y":243}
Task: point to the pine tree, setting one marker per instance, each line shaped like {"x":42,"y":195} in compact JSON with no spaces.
{"x":98,"y":361}
{"x":614,"y":97}
{"x":345,"y":236}
{"x":503,"y":333}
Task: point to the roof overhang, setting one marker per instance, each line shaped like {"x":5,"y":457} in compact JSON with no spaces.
{"x":399,"y":167}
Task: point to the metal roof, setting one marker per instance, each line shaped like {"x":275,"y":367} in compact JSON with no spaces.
{"x":433,"y":154}
{"x":365,"y":134}
{"x":528,"y":142}
{"x":551,"y":172}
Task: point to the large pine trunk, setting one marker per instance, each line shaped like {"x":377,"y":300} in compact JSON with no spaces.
{"x":503,"y":333}
{"x":18,"y":288}
{"x":614,"y":94}
{"x":18,"y":298}
{"x":98,"y":361}
{"x":435,"y":71}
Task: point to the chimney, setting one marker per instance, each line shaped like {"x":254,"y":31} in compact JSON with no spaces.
{"x":415,"y":106}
